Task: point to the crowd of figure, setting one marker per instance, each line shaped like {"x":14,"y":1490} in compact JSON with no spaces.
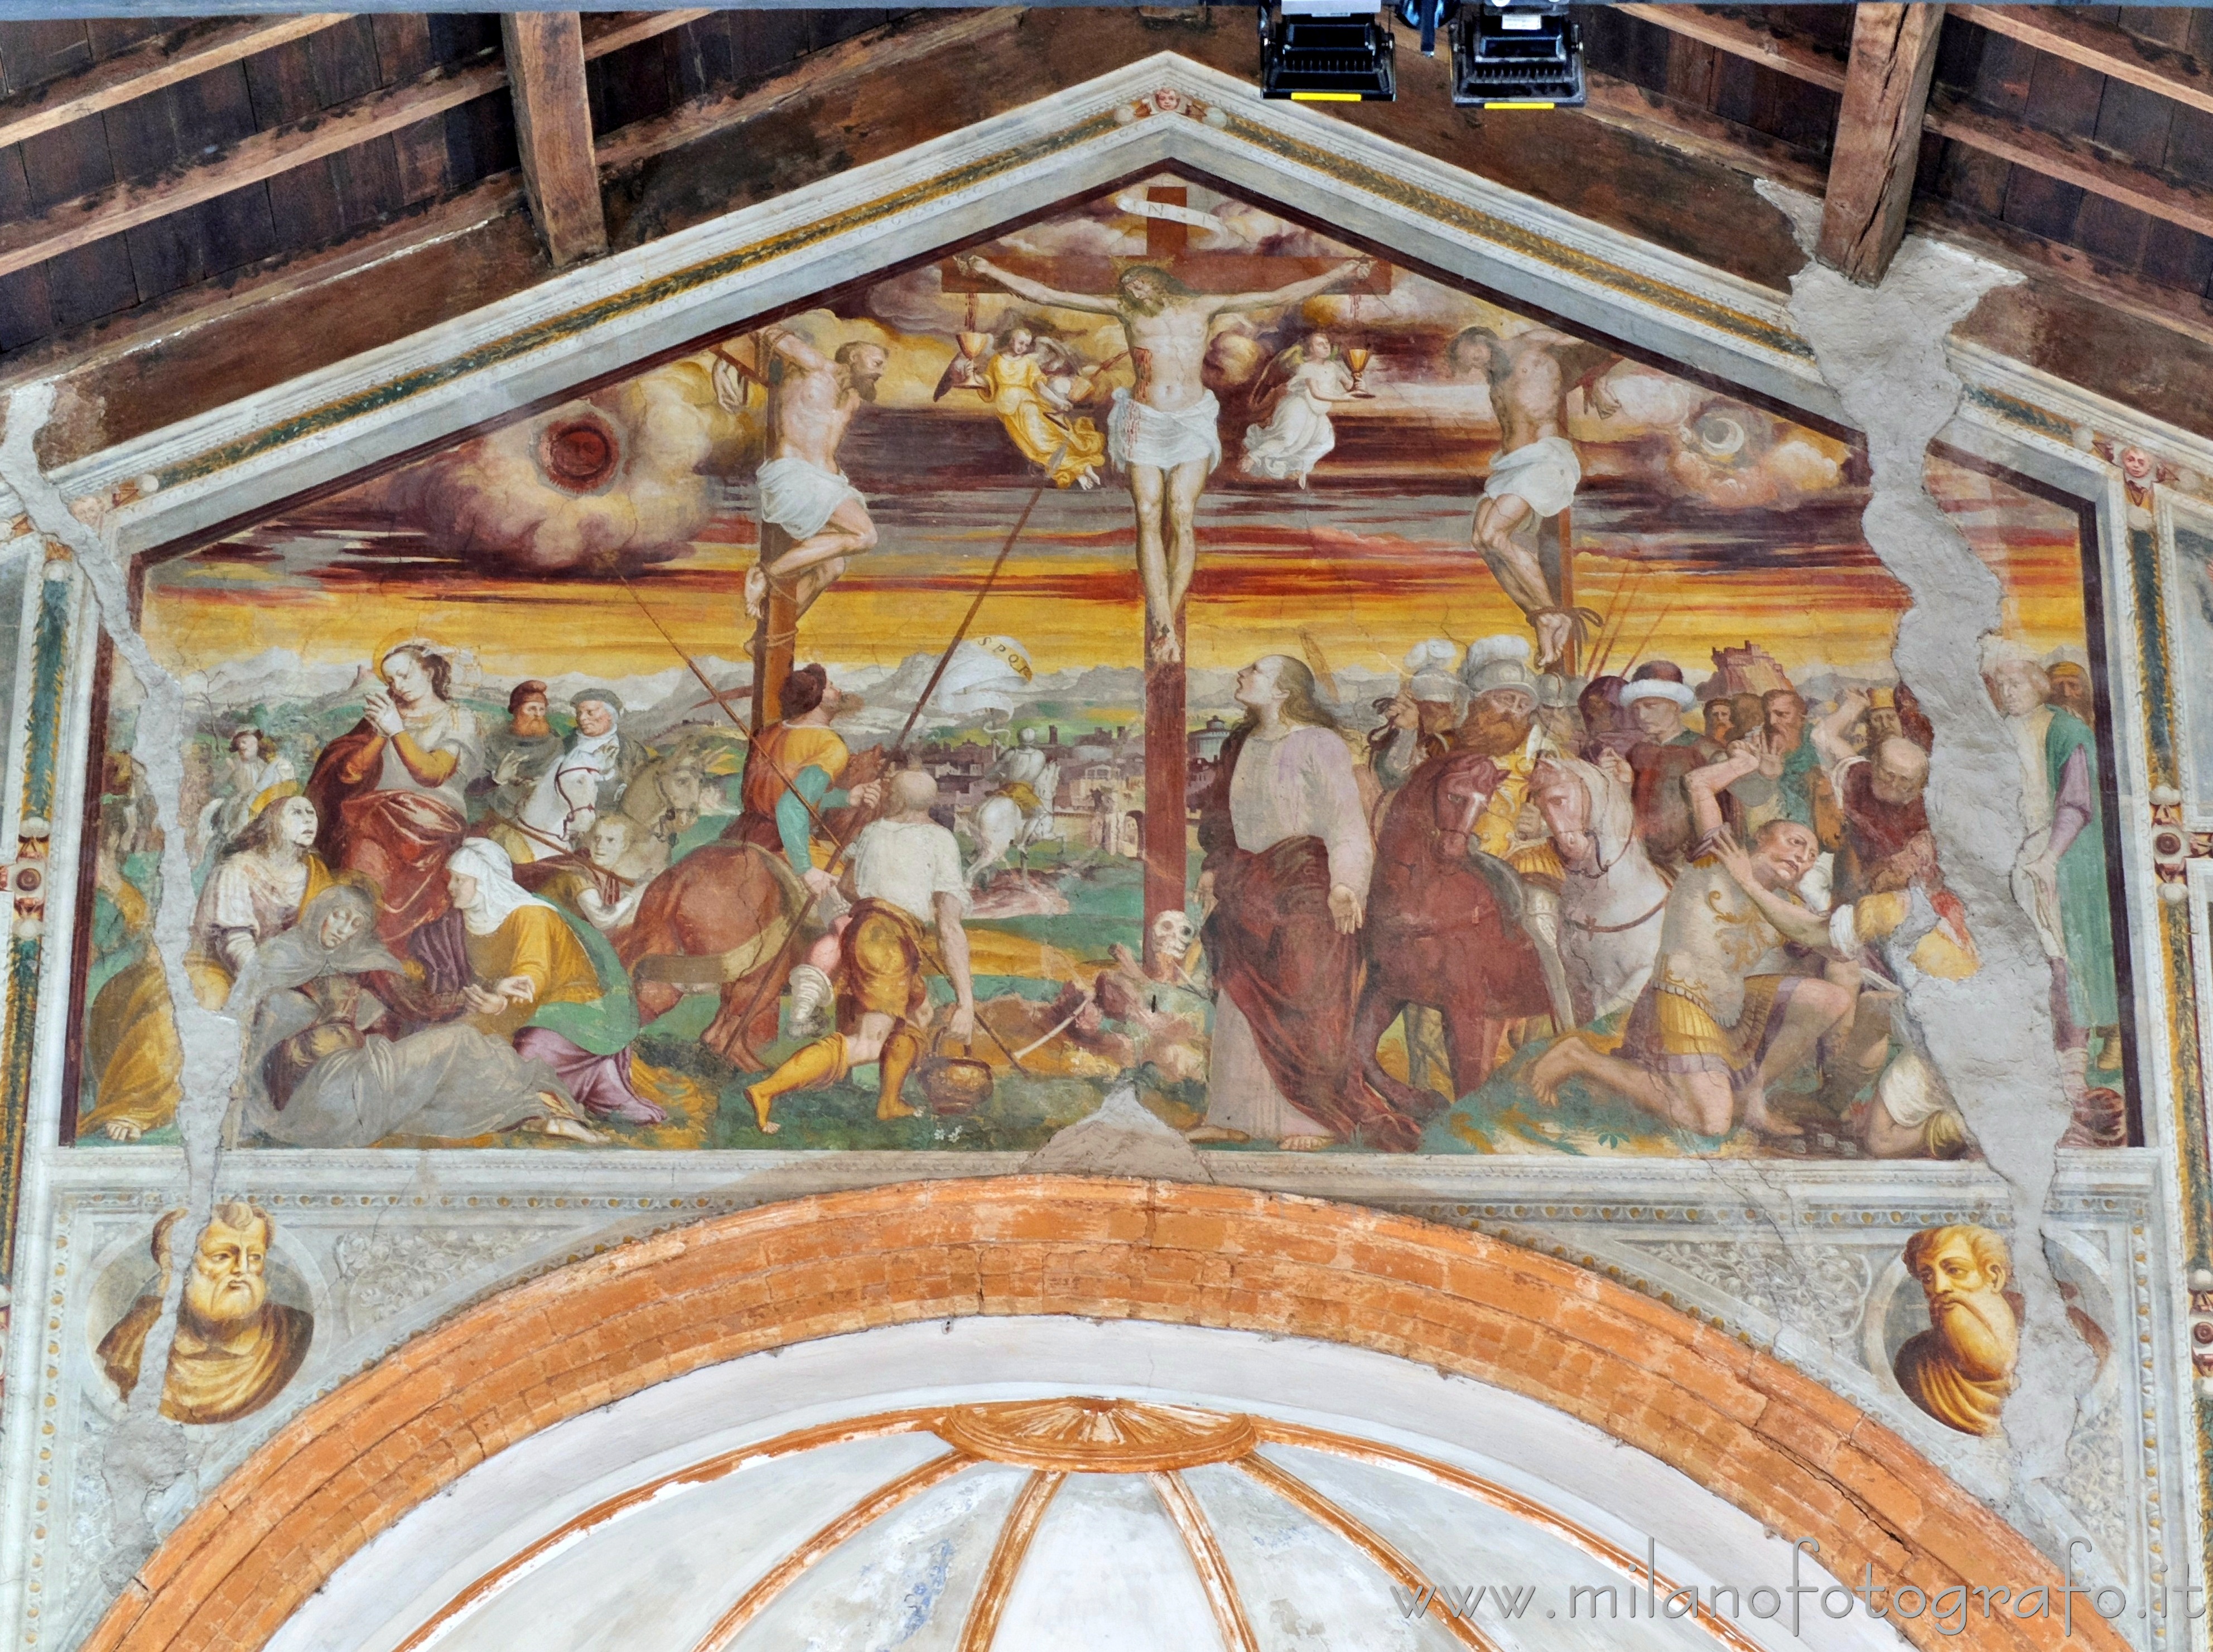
{"x":416,"y":935}
{"x":1683,"y":898}
{"x":1688,"y":900}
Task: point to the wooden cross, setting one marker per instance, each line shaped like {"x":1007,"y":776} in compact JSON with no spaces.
{"x":1165,"y":845}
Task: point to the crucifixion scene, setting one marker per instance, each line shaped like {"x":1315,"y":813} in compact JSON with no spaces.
{"x":1165,"y":658}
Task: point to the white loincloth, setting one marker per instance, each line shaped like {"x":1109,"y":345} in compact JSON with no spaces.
{"x":1544,"y":475}
{"x":1138,"y":435}
{"x":798,"y":497}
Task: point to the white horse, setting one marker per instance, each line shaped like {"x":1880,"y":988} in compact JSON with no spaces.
{"x":1004,"y":830}
{"x":1612,"y":899}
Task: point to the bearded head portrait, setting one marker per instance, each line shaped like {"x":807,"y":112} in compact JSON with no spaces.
{"x":235,"y":1349}
{"x":1961,"y":1369}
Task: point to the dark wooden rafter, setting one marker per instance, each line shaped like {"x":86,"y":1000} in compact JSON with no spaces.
{"x":109,"y":211}
{"x":1692,"y":129}
{"x":2072,"y":162}
{"x":611,"y":31}
{"x":2102,"y":46}
{"x":70,"y":224}
{"x":1745,"y":38}
{"x":554,"y":131}
{"x":148,"y":67}
{"x":2173,"y":73}
{"x":1878,"y":137}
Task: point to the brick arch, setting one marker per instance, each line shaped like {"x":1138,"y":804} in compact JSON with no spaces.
{"x":1779,"y":1447}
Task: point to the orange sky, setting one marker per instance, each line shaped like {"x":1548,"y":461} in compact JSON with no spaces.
{"x":1365,"y":600}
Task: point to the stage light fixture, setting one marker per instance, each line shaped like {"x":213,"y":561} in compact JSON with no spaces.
{"x":1326,"y":51}
{"x":1516,"y":54}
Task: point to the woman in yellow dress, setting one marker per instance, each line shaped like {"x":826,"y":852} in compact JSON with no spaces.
{"x":1069,"y":449}
{"x":535,"y":983}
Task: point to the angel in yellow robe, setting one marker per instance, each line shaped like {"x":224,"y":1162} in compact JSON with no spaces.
{"x":1015,"y":380}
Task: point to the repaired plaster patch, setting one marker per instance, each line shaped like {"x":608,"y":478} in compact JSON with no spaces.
{"x":1882,"y":350}
{"x":143,"y":1456}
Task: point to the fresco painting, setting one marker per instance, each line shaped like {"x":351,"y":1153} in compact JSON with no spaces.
{"x":781,"y":748}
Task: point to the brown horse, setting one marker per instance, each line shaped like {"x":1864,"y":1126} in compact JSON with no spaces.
{"x":730,"y":914}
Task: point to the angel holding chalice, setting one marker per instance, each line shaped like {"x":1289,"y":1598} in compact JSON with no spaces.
{"x":1304,"y":381}
{"x":1034,"y":383}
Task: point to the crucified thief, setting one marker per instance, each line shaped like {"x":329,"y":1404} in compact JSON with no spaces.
{"x":1161,"y":430}
{"x":1536,"y":471}
{"x":802,"y":491}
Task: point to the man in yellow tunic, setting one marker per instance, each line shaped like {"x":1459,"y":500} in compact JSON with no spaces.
{"x":790,"y":772}
{"x":906,"y":878}
{"x":1503,"y":726}
{"x":1015,"y":380}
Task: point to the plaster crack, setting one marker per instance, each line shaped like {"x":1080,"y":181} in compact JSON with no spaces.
{"x":1882,"y":350}
{"x":145,"y":1454}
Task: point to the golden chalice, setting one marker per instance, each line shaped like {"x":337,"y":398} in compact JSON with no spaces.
{"x":1356,"y":357}
{"x":973,"y":345}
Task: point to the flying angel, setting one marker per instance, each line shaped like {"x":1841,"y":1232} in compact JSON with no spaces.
{"x":1305,"y":381}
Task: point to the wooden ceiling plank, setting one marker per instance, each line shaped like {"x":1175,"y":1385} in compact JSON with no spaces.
{"x":2076,"y":163}
{"x":554,"y":131}
{"x":847,"y":63}
{"x":2102,"y":46}
{"x":629,"y":28}
{"x":264,"y":155}
{"x":1661,"y":119}
{"x":1878,"y":137}
{"x":160,"y":62}
{"x":1742,"y":38}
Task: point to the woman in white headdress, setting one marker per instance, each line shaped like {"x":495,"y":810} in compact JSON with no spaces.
{"x":552,"y":986}
{"x":318,"y":1073}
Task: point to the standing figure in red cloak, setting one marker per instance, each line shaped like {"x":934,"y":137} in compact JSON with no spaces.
{"x":391,"y":793}
{"x":1288,"y":858}
{"x":1437,"y":935}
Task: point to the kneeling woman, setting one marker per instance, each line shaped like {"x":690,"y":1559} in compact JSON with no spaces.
{"x":535,"y":981}
{"x":314,"y":1075}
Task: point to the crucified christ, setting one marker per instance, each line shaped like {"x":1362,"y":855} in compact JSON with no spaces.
{"x":1536,"y":473}
{"x":1162,"y":430}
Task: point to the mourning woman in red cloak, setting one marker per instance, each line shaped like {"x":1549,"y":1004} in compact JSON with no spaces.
{"x":391,"y":793}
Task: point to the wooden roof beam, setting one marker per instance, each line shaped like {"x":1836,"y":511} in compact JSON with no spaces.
{"x":109,"y":211}
{"x":2102,"y":46}
{"x":2071,"y":162}
{"x":1689,"y":129}
{"x":148,"y":67}
{"x":554,"y":131}
{"x":1741,"y":37}
{"x":2076,"y":163}
{"x":1878,"y":137}
{"x":611,"y":31}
